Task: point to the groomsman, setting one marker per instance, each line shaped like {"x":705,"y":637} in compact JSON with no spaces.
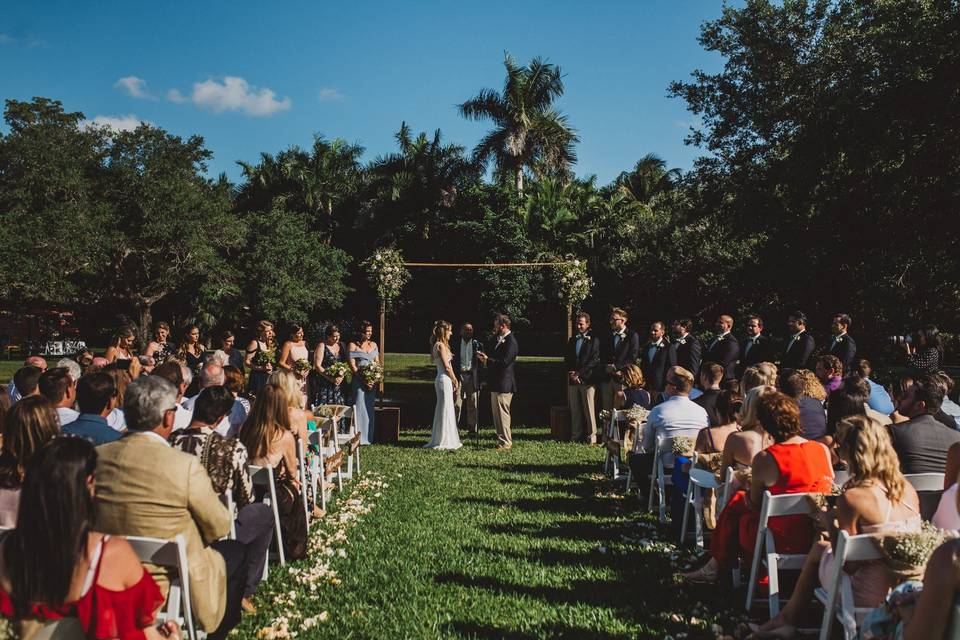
{"x":466,"y":367}
{"x":800,"y":345}
{"x":618,"y":349}
{"x":500,"y":377}
{"x":724,"y":349}
{"x":583,"y":365}
{"x":685,"y":349}
{"x":756,"y":348}
{"x":842,"y":346}
{"x":654,"y":358}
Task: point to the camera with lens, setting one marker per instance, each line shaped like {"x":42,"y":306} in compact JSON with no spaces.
{"x":900,"y":340}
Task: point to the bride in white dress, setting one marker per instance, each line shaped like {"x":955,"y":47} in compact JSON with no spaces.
{"x":445,"y":434}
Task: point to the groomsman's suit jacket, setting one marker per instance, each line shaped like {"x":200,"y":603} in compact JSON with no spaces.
{"x":686,"y":352}
{"x":725,"y":352}
{"x":655,"y":368}
{"x":625,"y":353}
{"x":846,"y":350}
{"x":501,"y":357}
{"x":754,"y":351}
{"x":797,"y":353}
{"x":474,"y":365}
{"x":587,"y":364}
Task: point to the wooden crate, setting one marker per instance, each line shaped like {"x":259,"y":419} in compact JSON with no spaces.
{"x":560,"y":423}
{"x":386,"y":425}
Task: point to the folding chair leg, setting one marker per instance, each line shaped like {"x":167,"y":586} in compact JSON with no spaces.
{"x":697,"y":515}
{"x":686,"y":517}
{"x":774,"y":578}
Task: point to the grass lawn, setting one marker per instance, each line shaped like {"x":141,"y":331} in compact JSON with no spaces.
{"x":476,"y":543}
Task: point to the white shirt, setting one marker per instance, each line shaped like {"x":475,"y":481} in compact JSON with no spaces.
{"x":226,"y":425}
{"x":13,"y":393}
{"x":503,"y":338}
{"x":155,"y":436}
{"x":182,"y":418}
{"x":67,"y":415}
{"x":117,"y":420}
{"x":678,"y":416}
{"x":466,"y":355}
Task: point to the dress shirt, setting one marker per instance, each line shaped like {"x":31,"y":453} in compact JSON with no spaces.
{"x":838,"y":338}
{"x":67,"y":415}
{"x":678,"y":416}
{"x":952,"y":409}
{"x":182,"y":418}
{"x":579,"y":344}
{"x":156,"y":436}
{"x":13,"y":393}
{"x":503,"y":338}
{"x":750,"y":343}
{"x":879,"y":398}
{"x":717,"y":339}
{"x":224,"y":427}
{"x":93,"y":427}
{"x":832,"y":384}
{"x":652,"y":349}
{"x":117,"y":420}
{"x":466,"y":355}
{"x":618,"y":336}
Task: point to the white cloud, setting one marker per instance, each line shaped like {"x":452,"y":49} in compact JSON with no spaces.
{"x":233,"y":94}
{"x":329,"y":94}
{"x":116,"y":123}
{"x":5,"y":39}
{"x":31,"y":43}
{"x":133,"y":86}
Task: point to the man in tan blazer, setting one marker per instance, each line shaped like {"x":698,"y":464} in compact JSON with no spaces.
{"x":147,"y":488}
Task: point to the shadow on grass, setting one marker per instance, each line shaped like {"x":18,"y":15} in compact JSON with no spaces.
{"x":568,"y":506}
{"x":475,"y":630}
{"x":591,"y":592}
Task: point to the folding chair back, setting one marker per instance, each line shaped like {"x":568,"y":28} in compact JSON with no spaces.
{"x":610,"y":463}
{"x":227,"y":500}
{"x":263,"y":477}
{"x":700,"y":479}
{"x":171,"y":554}
{"x":839,"y":590}
{"x":841,"y":477}
{"x":925,"y":481}
{"x":659,"y":479}
{"x":302,"y":478}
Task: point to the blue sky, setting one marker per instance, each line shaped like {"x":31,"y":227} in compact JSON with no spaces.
{"x":252,"y":77}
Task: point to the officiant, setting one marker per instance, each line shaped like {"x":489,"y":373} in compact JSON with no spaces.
{"x":466,"y":366}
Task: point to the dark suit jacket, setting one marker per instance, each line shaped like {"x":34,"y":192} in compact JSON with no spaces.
{"x":587,"y":364}
{"x":761,"y":351}
{"x":708,"y":400}
{"x":501,"y":358}
{"x":687,"y":355}
{"x":725,"y":352}
{"x":475,"y":365}
{"x":846,"y":351}
{"x":655,"y":370}
{"x":623,"y":354}
{"x":797,"y":354}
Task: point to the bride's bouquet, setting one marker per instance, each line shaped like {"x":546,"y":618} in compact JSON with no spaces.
{"x":302,"y":367}
{"x":372,"y":372}
{"x":264,"y":357}
{"x":337,"y":370}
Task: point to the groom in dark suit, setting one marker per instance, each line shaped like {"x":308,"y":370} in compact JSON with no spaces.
{"x":583,"y":365}
{"x":618,"y":349}
{"x":756,"y":348}
{"x":466,"y":367}
{"x":724,"y":348}
{"x":800,"y":345}
{"x":499,"y":360}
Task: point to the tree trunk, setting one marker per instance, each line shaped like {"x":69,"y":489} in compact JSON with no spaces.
{"x":519,"y":179}
{"x":145,"y":320}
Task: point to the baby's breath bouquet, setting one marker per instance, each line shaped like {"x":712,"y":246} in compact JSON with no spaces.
{"x":372,"y":373}
{"x":386,"y":273}
{"x":605,"y":416}
{"x":906,"y":554}
{"x":683,"y":446}
{"x":573,"y":282}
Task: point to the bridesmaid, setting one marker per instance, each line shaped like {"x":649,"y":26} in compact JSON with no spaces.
{"x":325,"y":389}
{"x":263,"y":342}
{"x":121,"y":346}
{"x":294,"y":349}
{"x":363,"y":352}
{"x":158,"y":348}
{"x":191,"y":352}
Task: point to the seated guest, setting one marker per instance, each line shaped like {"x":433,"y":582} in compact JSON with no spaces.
{"x":711,"y":374}
{"x":78,"y":572}
{"x":225,"y":461}
{"x":713,"y":438}
{"x":214,"y":375}
{"x":742,"y":446}
{"x":300,"y":420}
{"x":792,"y":464}
{"x":16,"y":392}
{"x":934,"y":615}
{"x":876,"y":500}
{"x":173,"y":372}
{"x":270,"y":442}
{"x":921,"y":442}
{"x":120,"y":378}
{"x":233,"y":381}
{"x":60,"y":388}
{"x":147,"y":488}
{"x":949,"y":407}
{"x":879,"y":398}
{"x":762,"y":374}
{"x":26,"y":381}
{"x":829,"y":372}
{"x":802,"y":385}
{"x":96,"y":398}
{"x":26,"y":427}
{"x":899,"y":392}
{"x":848,"y":400}
{"x":72,"y":367}
{"x":634,"y":393}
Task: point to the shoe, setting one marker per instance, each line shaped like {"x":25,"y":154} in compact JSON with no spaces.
{"x":317,"y":513}
{"x":703,"y":575}
{"x":247,"y":605}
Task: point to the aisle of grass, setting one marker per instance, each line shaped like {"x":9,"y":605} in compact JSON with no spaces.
{"x":478,"y":543}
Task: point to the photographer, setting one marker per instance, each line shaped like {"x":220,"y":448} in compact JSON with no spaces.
{"x":924,"y":350}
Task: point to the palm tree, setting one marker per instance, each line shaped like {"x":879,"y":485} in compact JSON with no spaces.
{"x":648,"y":178}
{"x":529,"y":132}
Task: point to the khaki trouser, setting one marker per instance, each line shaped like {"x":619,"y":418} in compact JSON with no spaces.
{"x":583,"y":414}
{"x":467,"y":396}
{"x":608,"y":392}
{"x":500,"y":405}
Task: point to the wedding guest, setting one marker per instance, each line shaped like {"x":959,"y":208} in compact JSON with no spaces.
{"x":325,"y":387}
{"x":804,"y":387}
{"x":842,"y":345}
{"x":234,"y":356}
{"x":741,"y":447}
{"x":829,"y":372}
{"x":287,"y":383}
{"x":762,"y":374}
{"x":800,"y":346}
{"x":685,"y":349}
{"x":634,"y":391}
{"x":935,"y":613}
{"x":756,"y":348}
{"x":792,"y":464}
{"x":214,"y":375}
{"x":877,"y":500}
{"x":363,"y":351}
{"x":31,"y":361}
{"x":121,"y":345}
{"x":262,"y":344}
{"x":712,"y":439}
{"x":711,"y":374}
{"x":233,"y":381}
{"x":115,"y":418}
{"x":60,"y":389}
{"x":28,"y":425}
{"x":949,"y":407}
{"x":84,"y":358}
{"x":924,"y":352}
{"x":96,"y":398}
{"x":294,"y":353}
{"x":130,"y":501}
{"x":724,"y":349}
{"x":26,"y":381}
{"x":72,"y":367}
{"x":618,"y":349}
{"x":225,"y":461}
{"x":268,"y":436}
{"x":79,"y":572}
{"x":466,"y":366}
{"x":191,"y":352}
{"x":582,"y":361}
{"x":921,"y":442}
{"x":158,"y":348}
{"x":879,"y":398}
{"x":500,"y":360}
{"x":175,"y":374}
{"x":654,"y":359}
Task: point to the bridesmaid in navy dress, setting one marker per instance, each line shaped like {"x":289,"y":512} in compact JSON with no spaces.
{"x":263,"y":342}
{"x":325,"y":389}
{"x":363,"y":352}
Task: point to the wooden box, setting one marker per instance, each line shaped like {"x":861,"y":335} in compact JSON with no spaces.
{"x":560,"y":423}
{"x":386,"y":425}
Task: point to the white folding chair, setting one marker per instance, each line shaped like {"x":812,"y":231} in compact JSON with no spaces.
{"x":343,"y":438}
{"x":322,"y":470}
{"x":170,"y":554}
{"x":726,"y":491}
{"x":636,"y":448}
{"x":925,"y":481}
{"x":611,"y":464}
{"x":61,"y":629}
{"x":227,"y":500}
{"x":263,"y":476}
{"x":837,"y":599}
{"x":774,"y":506}
{"x":700,"y":479}
{"x":841,"y":477}
{"x":659,"y":478}
{"x":302,"y":478}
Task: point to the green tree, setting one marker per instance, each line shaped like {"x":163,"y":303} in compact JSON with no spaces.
{"x":648,"y":178}
{"x":528,"y":131}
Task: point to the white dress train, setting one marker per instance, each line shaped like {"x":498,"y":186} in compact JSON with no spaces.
{"x":445,"y":433}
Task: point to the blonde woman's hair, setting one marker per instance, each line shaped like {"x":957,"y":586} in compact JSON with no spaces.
{"x":286,"y":381}
{"x":633,"y":377}
{"x":439,"y":333}
{"x":262,"y":326}
{"x":748,"y":412}
{"x":269,"y":418}
{"x":762,"y":374}
{"x":811,"y":385}
{"x":866,"y":447}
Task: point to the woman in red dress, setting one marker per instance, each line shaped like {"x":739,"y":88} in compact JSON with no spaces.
{"x":792,"y":464}
{"x":52,"y":566}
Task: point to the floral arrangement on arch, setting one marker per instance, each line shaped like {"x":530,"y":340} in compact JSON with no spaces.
{"x":386,"y":273}
{"x":573,"y":281}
